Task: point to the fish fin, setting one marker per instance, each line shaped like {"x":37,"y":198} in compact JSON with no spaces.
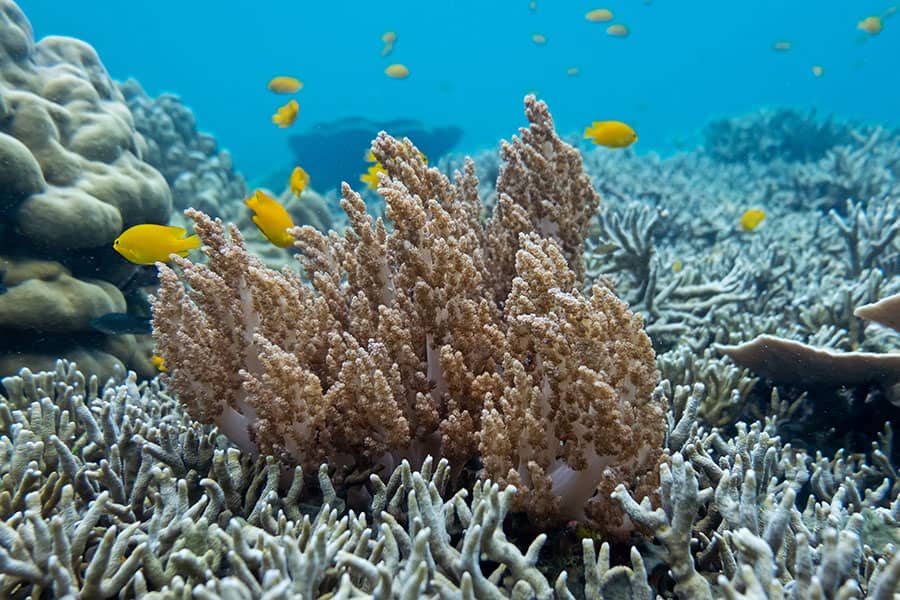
{"x":255,"y":202}
{"x":176,"y":231}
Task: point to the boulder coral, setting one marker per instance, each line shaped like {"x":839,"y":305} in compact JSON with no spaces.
{"x":72,"y":178}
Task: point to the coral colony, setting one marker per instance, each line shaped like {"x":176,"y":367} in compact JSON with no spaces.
{"x":503,"y":388}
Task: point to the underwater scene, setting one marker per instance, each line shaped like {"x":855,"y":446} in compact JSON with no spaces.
{"x":525,"y":300}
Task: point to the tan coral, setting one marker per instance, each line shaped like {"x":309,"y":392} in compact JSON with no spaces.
{"x":71,"y":178}
{"x":43,"y":296}
{"x":575,"y":418}
{"x":60,"y":103}
{"x":396,"y":345}
{"x":542,"y":187}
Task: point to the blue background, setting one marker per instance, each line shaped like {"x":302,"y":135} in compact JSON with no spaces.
{"x":471,"y":62}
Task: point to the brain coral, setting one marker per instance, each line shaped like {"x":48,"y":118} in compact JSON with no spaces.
{"x":71,"y":179}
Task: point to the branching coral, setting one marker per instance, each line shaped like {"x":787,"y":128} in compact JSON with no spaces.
{"x":730,"y":509}
{"x":439,"y":336}
{"x":870,"y":234}
{"x":769,"y":134}
{"x":114,"y":491}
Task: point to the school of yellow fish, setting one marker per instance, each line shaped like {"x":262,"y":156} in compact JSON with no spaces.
{"x":149,"y":243}
{"x":286,"y":115}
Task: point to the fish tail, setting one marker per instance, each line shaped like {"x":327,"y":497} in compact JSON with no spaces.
{"x":189,"y":243}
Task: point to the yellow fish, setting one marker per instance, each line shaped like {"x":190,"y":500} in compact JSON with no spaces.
{"x":388,"y":37}
{"x":599,"y":15}
{"x":285,"y":85}
{"x":299,"y":180}
{"x":397,"y":71}
{"x":677,"y":266}
{"x":870,"y":25}
{"x":148,"y":243}
{"x":286,"y":114}
{"x":617,"y":30}
{"x":159,"y":363}
{"x":612,"y":134}
{"x":271,"y":218}
{"x":751,"y":218}
{"x":370,"y":177}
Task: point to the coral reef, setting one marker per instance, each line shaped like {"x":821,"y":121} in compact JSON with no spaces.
{"x":199,"y":174}
{"x":786,"y":361}
{"x":114,"y":491}
{"x":493,"y":391}
{"x":72,"y":176}
{"x":766,"y":135}
{"x":444,"y":336}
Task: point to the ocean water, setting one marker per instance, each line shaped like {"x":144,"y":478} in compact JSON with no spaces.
{"x":472,"y":62}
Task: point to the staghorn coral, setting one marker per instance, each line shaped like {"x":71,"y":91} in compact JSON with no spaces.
{"x":730,"y":521}
{"x":870,"y":235}
{"x":769,"y":134}
{"x":727,"y":387}
{"x":441,"y":336}
{"x":862,"y":168}
{"x":114,"y":491}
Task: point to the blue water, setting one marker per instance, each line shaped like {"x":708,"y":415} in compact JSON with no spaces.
{"x":472,"y":61}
